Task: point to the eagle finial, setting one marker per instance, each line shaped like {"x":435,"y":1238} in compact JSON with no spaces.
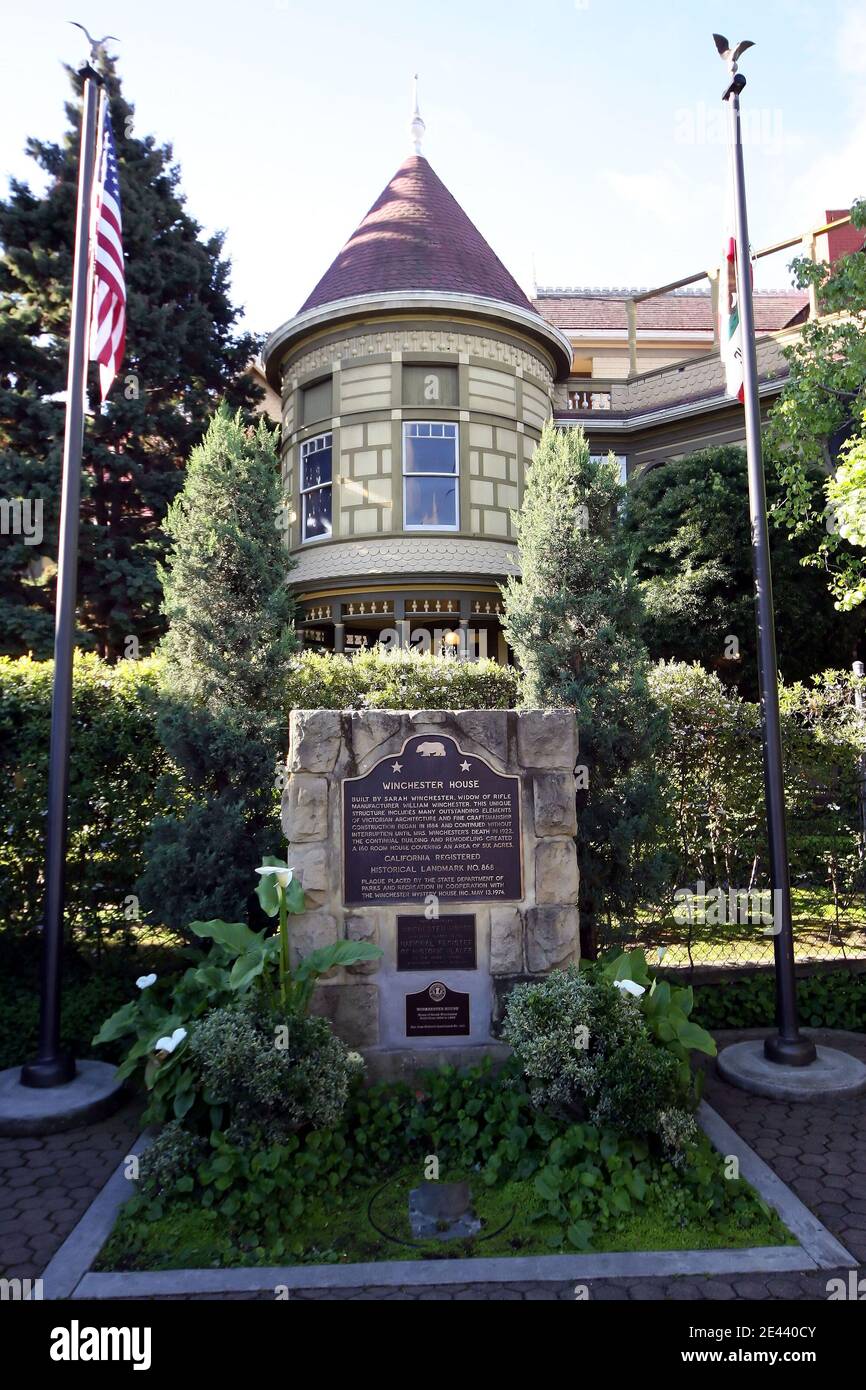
{"x":97,"y":46}
{"x":730,"y":55}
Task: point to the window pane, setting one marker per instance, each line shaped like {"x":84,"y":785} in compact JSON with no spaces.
{"x":430,"y":455}
{"x":317,"y":513}
{"x":317,"y":468}
{"x":431,"y":502}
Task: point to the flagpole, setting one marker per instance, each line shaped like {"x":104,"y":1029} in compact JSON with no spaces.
{"x":788,"y":1046}
{"x":52,"y":1066}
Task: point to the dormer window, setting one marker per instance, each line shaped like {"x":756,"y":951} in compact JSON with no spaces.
{"x":316,"y":457}
{"x":430,"y":476}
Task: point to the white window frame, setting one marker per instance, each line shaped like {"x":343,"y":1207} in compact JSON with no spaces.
{"x":451,"y":424}
{"x":304,"y":451}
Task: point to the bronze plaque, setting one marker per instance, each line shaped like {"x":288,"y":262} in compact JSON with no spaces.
{"x":440,"y":943}
{"x":437,"y":1011}
{"x":431,"y":820}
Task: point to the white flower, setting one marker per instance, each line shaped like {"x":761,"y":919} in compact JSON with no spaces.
{"x":354,"y":1059}
{"x":145,"y":981}
{"x":284,"y":876}
{"x":169,"y":1044}
{"x":629,"y":987}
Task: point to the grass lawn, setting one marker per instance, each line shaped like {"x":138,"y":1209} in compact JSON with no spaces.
{"x":371,"y":1223}
{"x":818,"y":935}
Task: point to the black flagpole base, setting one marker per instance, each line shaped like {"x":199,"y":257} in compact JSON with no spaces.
{"x":55,"y":1071}
{"x":790,"y":1052}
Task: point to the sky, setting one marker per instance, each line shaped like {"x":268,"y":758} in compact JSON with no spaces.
{"x":583,"y":137}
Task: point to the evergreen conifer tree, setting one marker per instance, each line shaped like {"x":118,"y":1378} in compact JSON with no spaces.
{"x":229,"y":613}
{"x":573,"y":622}
{"x":183,"y":354}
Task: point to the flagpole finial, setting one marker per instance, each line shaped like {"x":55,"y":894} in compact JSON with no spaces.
{"x":728,"y":54}
{"x":417,"y":127}
{"x":97,"y":46}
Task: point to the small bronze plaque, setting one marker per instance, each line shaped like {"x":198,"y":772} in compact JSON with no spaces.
{"x":437,"y":1011}
{"x":439,"y":943}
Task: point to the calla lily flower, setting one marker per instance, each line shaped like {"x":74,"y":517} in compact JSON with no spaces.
{"x":629,"y":987}
{"x":145,"y":981}
{"x":169,"y":1044}
{"x":284,"y":876}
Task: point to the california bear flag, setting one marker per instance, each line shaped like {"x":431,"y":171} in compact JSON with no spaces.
{"x":730,"y":330}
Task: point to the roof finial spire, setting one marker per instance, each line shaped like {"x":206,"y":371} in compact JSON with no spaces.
{"x":417,"y":126}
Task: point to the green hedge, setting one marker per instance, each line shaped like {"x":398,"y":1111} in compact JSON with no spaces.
{"x":375,"y":679}
{"x":714,"y":781}
{"x":836,"y":999}
{"x":114,"y":788}
{"x":118,"y":769}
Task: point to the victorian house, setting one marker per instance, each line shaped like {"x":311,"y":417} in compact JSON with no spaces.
{"x":413,"y":384}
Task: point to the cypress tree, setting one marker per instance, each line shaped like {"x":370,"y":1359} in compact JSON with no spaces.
{"x":573,"y":622}
{"x":223,"y":721}
{"x":183,"y":353}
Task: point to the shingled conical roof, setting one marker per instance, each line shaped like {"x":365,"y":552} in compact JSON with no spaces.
{"x":416,"y":236}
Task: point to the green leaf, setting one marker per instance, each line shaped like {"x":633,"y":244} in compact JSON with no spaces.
{"x":236,"y":937}
{"x":247,"y":967}
{"x":295,"y":900}
{"x":547,"y":1184}
{"x":124,"y":1020}
{"x":580,"y":1234}
{"x":267,"y":888}
{"x":340,"y":953}
{"x":692,"y":1036}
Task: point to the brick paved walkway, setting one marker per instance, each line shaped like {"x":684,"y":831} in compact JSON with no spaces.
{"x":818,"y":1149}
{"x":47,"y":1184}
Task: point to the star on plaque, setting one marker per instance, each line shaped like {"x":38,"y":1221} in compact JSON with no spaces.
{"x":464,"y":767}
{"x":396,"y":767}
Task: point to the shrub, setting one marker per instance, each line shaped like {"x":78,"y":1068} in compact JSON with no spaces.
{"x":584,"y":1049}
{"x":836,"y":999}
{"x":170,"y":1160}
{"x":713,"y":778}
{"x":116,"y":787}
{"x":274,"y":1076}
{"x":573,"y":620}
{"x":379,"y":679}
{"x":221,"y":717}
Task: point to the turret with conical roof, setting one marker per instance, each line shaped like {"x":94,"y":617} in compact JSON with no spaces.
{"x":415,"y":380}
{"x":416,"y":236}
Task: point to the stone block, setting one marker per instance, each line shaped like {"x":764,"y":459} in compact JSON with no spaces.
{"x":487,"y":728}
{"x":556,"y":876}
{"x":506,"y":941}
{"x":362,"y":926}
{"x":314,"y":740}
{"x":553,"y":803}
{"x":305,"y":807}
{"x":310,"y":865}
{"x":353,"y":1011}
{"x":370,"y":729}
{"x":547,"y":738}
{"x":310,"y":931}
{"x":551,"y":937}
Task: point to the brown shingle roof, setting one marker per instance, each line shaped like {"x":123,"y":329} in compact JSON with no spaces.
{"x":668,"y":312}
{"x":416,"y":236}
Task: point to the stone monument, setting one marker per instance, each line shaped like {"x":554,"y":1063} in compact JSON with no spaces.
{"x":447,"y":839}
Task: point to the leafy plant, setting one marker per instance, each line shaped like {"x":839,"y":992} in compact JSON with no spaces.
{"x":587,"y":1052}
{"x":240,"y":961}
{"x":666,"y":1008}
{"x":266,"y":960}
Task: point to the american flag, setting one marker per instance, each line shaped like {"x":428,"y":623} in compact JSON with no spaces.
{"x":108,"y":313}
